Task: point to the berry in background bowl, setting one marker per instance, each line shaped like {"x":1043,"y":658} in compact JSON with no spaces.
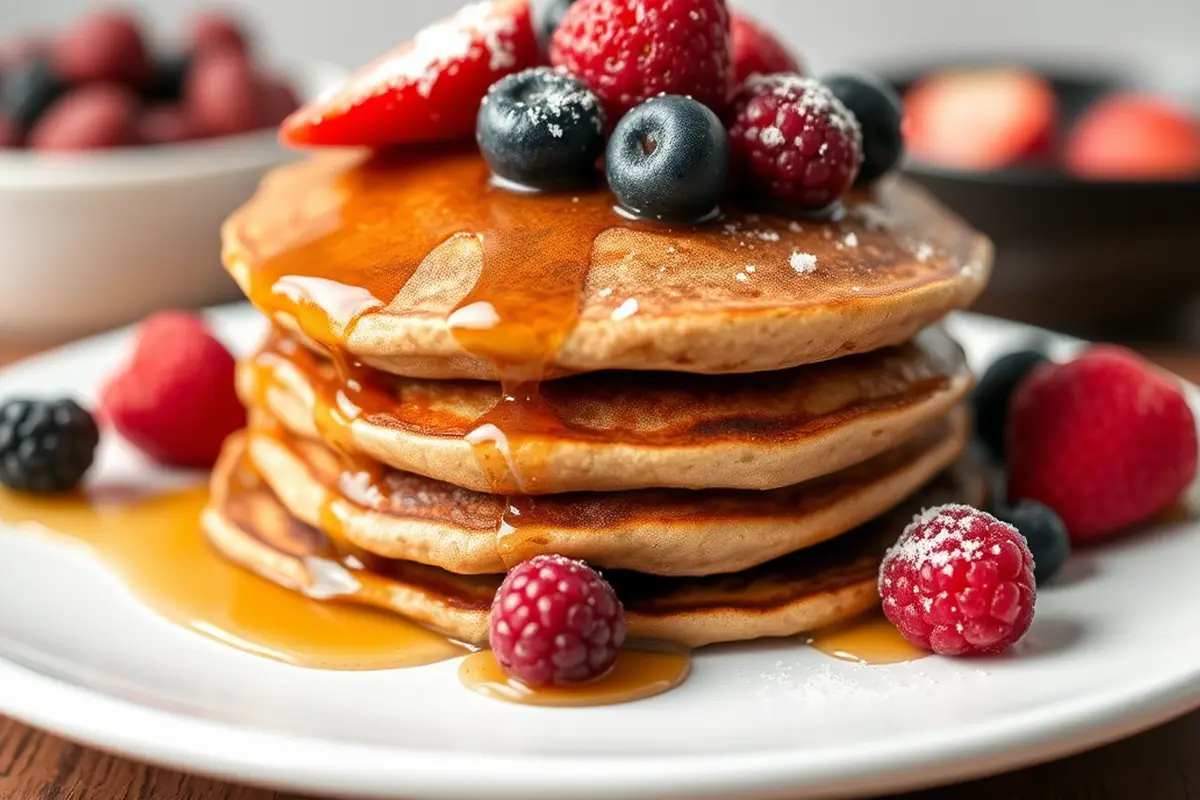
{"x":1087,"y":185}
{"x":118,"y":164}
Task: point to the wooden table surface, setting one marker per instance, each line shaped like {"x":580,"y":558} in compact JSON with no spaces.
{"x":1163,"y":764}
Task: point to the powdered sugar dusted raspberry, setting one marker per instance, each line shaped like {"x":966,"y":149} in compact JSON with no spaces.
{"x":814,"y":96}
{"x":959,"y":582}
{"x":472,"y":34}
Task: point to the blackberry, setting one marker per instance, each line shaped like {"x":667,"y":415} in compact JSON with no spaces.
{"x":668,"y":160}
{"x":878,"y":110}
{"x":28,"y":90}
{"x":1044,"y":532}
{"x":993,"y":396}
{"x":45,"y":446}
{"x":541,"y":129}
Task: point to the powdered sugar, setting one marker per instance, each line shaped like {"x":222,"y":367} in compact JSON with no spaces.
{"x":809,"y":95}
{"x":803,"y":263}
{"x":472,"y":34}
{"x":937,"y":537}
{"x":564,"y":103}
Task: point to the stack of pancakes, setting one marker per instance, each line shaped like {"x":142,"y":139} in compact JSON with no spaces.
{"x":732,"y":421}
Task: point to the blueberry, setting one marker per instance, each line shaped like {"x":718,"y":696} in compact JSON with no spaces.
{"x":29,"y":89}
{"x":668,"y":159}
{"x":993,"y":396}
{"x":547,"y":14}
{"x":1045,"y":534}
{"x":166,"y":84}
{"x":879,"y":114}
{"x":541,"y":129}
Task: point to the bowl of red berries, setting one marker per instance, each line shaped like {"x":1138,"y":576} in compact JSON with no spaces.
{"x":1086,"y":180}
{"x":118,"y":161}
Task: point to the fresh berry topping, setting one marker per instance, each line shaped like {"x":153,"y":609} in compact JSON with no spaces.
{"x":88,"y":118}
{"x":45,"y":447}
{"x":1134,"y":137}
{"x":426,"y":90}
{"x":175,"y":399}
{"x":981,"y":119}
{"x":877,"y":108}
{"x":1107,"y":441}
{"x":793,"y":140}
{"x":212,"y":30}
{"x":1045,"y":534}
{"x":993,"y":396}
{"x":167,"y":81}
{"x":541,"y":129}
{"x":278,"y":99}
{"x":223,"y":95}
{"x":668,"y":159}
{"x":627,"y":51}
{"x":28,"y":89}
{"x":756,"y":51}
{"x":959,"y":582}
{"x":556,"y":621}
{"x":547,"y":16}
{"x":104,"y":47}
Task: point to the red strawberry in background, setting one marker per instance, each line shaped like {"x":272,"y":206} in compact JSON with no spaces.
{"x":1134,"y":137}
{"x":426,"y":90}
{"x":981,"y":119}
{"x":756,"y":51}
{"x":629,"y":50}
{"x":1107,"y":441}
{"x":175,"y":400}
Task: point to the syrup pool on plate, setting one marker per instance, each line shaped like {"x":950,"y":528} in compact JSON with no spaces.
{"x":155,"y":544}
{"x":870,"y":639}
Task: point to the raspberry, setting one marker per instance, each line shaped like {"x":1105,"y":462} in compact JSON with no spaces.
{"x":175,"y":400}
{"x":88,"y":118}
{"x":756,"y":51}
{"x":793,"y":140}
{"x":627,"y":51}
{"x":556,"y":621}
{"x":959,"y":582}
{"x":104,"y":47}
{"x":1106,"y":441}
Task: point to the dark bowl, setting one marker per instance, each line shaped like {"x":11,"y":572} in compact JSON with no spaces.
{"x":1111,"y":260}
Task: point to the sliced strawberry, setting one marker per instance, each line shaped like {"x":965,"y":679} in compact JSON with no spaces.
{"x":981,"y":119}
{"x":426,"y":90}
{"x":1132,"y":137}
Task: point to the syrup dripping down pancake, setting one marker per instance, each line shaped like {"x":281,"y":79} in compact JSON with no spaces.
{"x":665,"y":532}
{"x":415,"y":264}
{"x":622,"y":430}
{"x":818,"y":586}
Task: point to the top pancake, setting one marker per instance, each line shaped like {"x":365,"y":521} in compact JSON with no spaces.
{"x":415,"y":264}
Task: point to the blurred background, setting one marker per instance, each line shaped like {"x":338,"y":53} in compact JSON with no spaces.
{"x":1085,"y":245}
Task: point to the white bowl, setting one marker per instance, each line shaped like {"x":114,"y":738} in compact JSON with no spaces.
{"x":90,"y":241}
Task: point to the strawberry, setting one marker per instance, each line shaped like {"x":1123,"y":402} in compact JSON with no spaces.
{"x":1106,"y":441}
{"x":426,"y":90}
{"x":756,"y":51}
{"x":175,"y":399}
{"x":981,"y":119}
{"x":1134,"y":137}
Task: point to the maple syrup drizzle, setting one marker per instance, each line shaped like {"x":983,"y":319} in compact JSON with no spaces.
{"x":155,"y":544}
{"x":636,"y":675}
{"x":869,"y":639}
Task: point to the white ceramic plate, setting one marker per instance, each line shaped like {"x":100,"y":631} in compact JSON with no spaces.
{"x":1113,"y":651}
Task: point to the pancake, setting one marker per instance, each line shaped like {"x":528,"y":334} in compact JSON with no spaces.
{"x":621,"y":430}
{"x":414,"y":263}
{"x":665,"y":532}
{"x":819,"y":586}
